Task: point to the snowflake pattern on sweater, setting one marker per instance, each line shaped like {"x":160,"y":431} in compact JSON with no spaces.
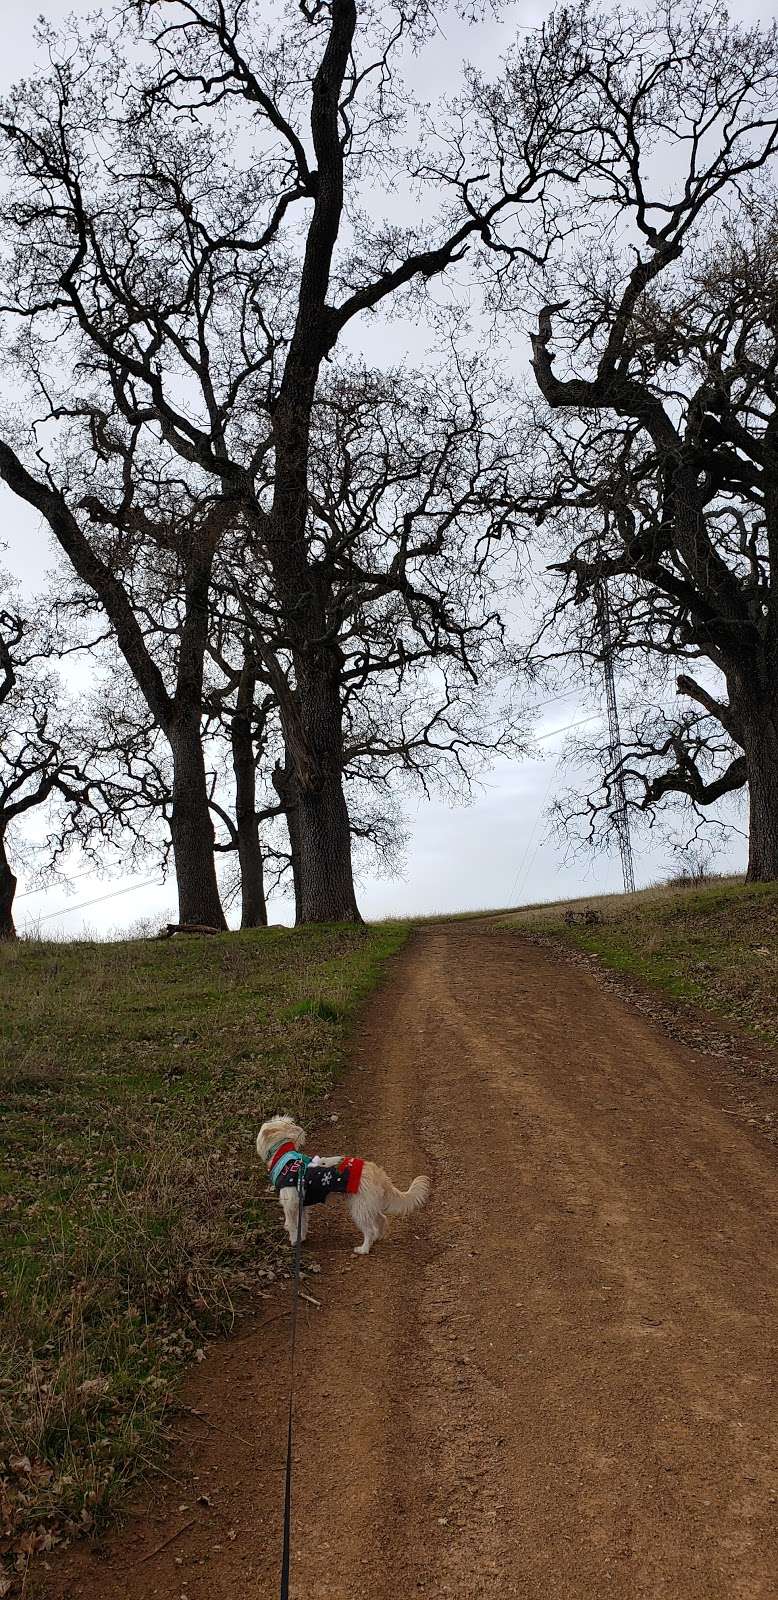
{"x":319,"y":1182}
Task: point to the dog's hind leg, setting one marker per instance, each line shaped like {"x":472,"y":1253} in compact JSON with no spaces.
{"x":367,"y":1220}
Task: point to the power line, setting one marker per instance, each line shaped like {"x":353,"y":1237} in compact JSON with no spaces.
{"x":114,"y":895}
{"x":44,"y":888}
{"x":533,"y":831}
{"x":525,"y":860}
{"x":596,"y":717}
{"x":552,"y":701}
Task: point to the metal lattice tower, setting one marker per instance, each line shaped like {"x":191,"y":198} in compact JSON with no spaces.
{"x":620,"y":810}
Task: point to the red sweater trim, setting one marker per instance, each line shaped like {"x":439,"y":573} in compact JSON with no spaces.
{"x":353,"y":1166}
{"x":281,"y":1151}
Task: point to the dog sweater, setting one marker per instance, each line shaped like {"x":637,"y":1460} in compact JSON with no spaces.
{"x":319,"y":1182}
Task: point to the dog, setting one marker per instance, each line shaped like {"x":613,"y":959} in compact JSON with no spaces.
{"x":371,"y":1196}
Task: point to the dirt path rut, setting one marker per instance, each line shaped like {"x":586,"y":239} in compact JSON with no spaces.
{"x":558,"y":1383}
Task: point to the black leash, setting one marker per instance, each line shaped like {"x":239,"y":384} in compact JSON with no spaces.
{"x":295,"y":1293}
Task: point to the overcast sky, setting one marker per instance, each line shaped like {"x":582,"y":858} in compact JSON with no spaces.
{"x":491,"y":852}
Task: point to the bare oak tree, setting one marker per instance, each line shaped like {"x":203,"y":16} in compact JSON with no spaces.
{"x":41,"y":760}
{"x":186,"y":224}
{"x":657,"y":461}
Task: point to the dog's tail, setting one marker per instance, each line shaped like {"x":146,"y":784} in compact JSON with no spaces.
{"x":399,"y":1203}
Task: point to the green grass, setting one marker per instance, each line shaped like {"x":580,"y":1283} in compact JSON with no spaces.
{"x":133,"y":1078}
{"x":715,"y":945}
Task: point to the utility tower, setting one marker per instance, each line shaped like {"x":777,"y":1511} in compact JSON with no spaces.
{"x":620,"y":810}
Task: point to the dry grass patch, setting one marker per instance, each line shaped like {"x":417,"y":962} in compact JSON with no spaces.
{"x":132,"y":1080}
{"x":715,"y":945}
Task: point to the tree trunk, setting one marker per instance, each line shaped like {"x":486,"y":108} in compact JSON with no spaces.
{"x":324,"y":832}
{"x":760,"y":743}
{"x":286,"y":788}
{"x":326,"y":877}
{"x":7,"y":892}
{"x":253,"y":907}
{"x":252,"y":871}
{"x":192,"y":829}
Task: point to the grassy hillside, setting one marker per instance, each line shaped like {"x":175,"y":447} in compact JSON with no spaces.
{"x":133,"y":1078}
{"x":716,"y":945}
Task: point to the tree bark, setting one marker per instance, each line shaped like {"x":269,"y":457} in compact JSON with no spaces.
{"x":253,"y":906}
{"x":324,"y":832}
{"x":760,"y":743}
{"x":285,"y":786}
{"x":191,"y":828}
{"x":252,"y":873}
{"x":312,"y":724}
{"x":7,"y":892}
{"x":326,"y":876}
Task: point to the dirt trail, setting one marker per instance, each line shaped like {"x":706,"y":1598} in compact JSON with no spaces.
{"x":559,"y":1381}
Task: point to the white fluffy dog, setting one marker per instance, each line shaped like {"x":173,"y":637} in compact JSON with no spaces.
{"x":371,"y":1196}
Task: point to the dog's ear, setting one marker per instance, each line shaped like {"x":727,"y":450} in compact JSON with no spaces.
{"x":265,"y":1136}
